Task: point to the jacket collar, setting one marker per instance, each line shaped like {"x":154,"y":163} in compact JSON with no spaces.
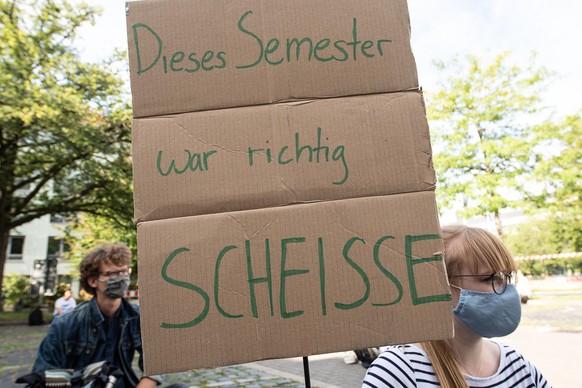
{"x":97,"y":316}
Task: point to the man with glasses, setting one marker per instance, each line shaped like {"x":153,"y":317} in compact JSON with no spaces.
{"x":106,"y":328}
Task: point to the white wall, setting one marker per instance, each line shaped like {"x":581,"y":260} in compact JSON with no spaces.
{"x":36,"y":236}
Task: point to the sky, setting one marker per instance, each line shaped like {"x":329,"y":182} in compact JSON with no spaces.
{"x":442,"y":29}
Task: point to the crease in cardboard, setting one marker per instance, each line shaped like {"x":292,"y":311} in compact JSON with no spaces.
{"x":245,"y":229}
{"x":441,"y":268}
{"x":233,"y":217}
{"x":370,"y":330}
{"x":257,"y":331}
{"x":340,"y":217}
{"x":284,"y":186}
{"x":200,"y":140}
{"x":233,"y":292}
{"x":431,"y":183}
{"x":303,"y":102}
{"x":392,"y":100}
{"x":283,"y":101}
{"x":163,"y":210}
{"x":392,"y":250}
{"x":266,"y":225}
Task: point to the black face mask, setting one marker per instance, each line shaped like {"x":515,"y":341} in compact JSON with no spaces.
{"x":116,"y":288}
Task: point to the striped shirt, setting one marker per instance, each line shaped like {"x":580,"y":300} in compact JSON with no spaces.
{"x":409,"y":366}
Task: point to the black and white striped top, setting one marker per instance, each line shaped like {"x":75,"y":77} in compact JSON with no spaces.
{"x":409,"y":366}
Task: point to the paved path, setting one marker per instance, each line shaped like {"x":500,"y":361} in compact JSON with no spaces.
{"x":18,"y":345}
{"x":557,"y":355}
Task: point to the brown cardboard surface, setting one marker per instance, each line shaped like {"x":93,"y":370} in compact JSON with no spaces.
{"x":247,"y":158}
{"x":189,"y":55}
{"x":274,"y":218}
{"x":291,"y":281}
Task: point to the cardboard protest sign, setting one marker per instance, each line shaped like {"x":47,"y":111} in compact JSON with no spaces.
{"x":187,"y":57}
{"x":236,"y":287}
{"x":283,"y":181}
{"x":283,"y":154}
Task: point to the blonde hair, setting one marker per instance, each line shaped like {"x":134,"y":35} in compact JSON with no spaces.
{"x":470,"y":247}
{"x":465,"y":247}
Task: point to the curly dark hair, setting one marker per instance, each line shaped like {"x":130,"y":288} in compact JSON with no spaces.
{"x":118,"y":254}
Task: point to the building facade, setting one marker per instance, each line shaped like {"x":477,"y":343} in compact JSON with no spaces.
{"x":36,"y":250}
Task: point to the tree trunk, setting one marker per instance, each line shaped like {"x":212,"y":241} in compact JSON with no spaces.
{"x":3,"y":255}
{"x":498,"y":225}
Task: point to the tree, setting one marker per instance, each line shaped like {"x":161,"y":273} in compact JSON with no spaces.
{"x":530,"y":238}
{"x":16,"y":292}
{"x":481,"y":120}
{"x":86,"y":231}
{"x":64,"y":124}
{"x":556,"y":190}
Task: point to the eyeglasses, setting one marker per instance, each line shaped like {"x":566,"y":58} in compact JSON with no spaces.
{"x":116,"y":274}
{"x":499,"y":280}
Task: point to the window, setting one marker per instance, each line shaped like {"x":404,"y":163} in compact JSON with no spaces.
{"x":58,"y":219}
{"x":56,"y":247}
{"x":15,"y":247}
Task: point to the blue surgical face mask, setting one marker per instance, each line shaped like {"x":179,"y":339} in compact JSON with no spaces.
{"x":489,"y":314}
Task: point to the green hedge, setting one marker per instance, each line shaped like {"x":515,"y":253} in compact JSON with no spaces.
{"x":550,"y":267}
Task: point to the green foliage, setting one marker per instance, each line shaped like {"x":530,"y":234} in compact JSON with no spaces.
{"x":554,"y":267}
{"x":16,"y":292}
{"x":532,"y":267}
{"x":575,"y":264}
{"x":21,"y":318}
{"x":551,"y":267}
{"x":539,"y":237}
{"x":482,"y":140}
{"x":64,"y":124}
{"x":89,"y":231}
{"x":491,"y":152}
{"x":534,"y":237}
{"x":556,"y":182}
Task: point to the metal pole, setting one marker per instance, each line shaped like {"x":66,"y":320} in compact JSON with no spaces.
{"x":306,"y":372}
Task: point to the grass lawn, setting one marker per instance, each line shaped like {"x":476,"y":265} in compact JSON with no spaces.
{"x":12,"y":317}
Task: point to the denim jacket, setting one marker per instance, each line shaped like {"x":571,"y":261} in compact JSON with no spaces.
{"x":72,"y":339}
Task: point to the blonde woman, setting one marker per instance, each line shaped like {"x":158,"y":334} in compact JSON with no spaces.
{"x":487,"y":304}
